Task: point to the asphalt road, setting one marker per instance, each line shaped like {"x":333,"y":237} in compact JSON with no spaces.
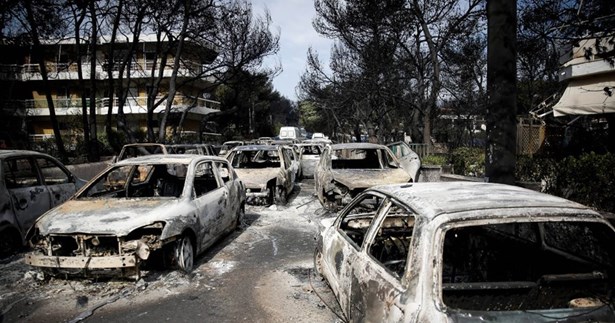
{"x":259,"y":273}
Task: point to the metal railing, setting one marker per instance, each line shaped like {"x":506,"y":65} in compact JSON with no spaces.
{"x":137,"y":102}
{"x":139,"y":68}
{"x":421,"y":149}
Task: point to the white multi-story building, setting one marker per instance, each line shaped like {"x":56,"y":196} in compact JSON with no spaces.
{"x":23,"y":92}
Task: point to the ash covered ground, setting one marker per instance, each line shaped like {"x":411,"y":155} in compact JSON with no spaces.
{"x":262,"y":272}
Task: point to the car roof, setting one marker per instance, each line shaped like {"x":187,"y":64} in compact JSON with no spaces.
{"x":435,"y":198}
{"x":256,"y":147}
{"x":171,"y":158}
{"x":141,"y":144}
{"x":359,"y":145}
{"x":5,"y":153}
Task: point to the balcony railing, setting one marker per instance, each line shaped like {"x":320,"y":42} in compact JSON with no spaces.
{"x":68,"y":71}
{"x":137,"y":105}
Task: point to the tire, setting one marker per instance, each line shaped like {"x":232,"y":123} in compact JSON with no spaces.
{"x":280,"y":195}
{"x":184,"y":254}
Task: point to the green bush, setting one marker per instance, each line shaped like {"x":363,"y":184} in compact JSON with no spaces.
{"x":469,"y":161}
{"x":434,"y":160}
{"x":588,"y":179}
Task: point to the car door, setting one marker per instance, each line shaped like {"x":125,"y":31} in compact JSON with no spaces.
{"x":231,"y":193}
{"x":29,"y":196}
{"x":295,"y":163}
{"x":376,"y":292}
{"x":207,"y":197}
{"x":286,"y":168}
{"x":408,"y":159}
{"x":344,"y":244}
{"x":60,"y":183}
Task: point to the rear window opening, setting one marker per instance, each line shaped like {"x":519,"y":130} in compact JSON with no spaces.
{"x":529,"y":266}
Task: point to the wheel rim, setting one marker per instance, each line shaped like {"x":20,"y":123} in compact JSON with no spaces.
{"x":185,"y":257}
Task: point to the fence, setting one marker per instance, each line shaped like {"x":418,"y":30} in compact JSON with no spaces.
{"x":421,"y":149}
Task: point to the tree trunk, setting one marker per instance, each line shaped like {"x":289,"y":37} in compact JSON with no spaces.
{"x":40,"y":59}
{"x":502,"y":91}
{"x":173,"y":80}
{"x":93,"y":149}
{"x":79,"y":59}
{"x":111,"y":138}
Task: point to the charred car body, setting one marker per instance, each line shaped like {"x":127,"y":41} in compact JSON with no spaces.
{"x":140,"y":149}
{"x":408,"y":159}
{"x":31,"y":183}
{"x":345,"y":170}
{"x":309,"y":153}
{"x":266,"y":171}
{"x":175,"y":206}
{"x":468,"y":252}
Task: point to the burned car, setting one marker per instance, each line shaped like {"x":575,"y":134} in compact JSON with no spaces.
{"x":345,"y":170}
{"x":309,"y":153}
{"x":141,"y":149}
{"x":196,"y":149}
{"x":227,"y":146}
{"x":266,"y":171}
{"x":30,"y":184}
{"x":468,"y":252}
{"x":408,"y":159}
{"x":164,"y":207}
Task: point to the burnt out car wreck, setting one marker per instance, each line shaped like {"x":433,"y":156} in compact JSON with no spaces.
{"x":266,"y":171}
{"x":345,"y":170}
{"x":152,"y":208}
{"x":468,"y":252}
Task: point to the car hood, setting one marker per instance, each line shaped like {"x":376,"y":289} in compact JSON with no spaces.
{"x":257,"y":177}
{"x":364,"y":178}
{"x":106,"y":216}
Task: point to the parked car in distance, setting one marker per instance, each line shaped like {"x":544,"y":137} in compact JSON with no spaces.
{"x":318,"y":135}
{"x":264,"y":140}
{"x":468,"y":252}
{"x":291,"y":133}
{"x":345,"y":170}
{"x":310,"y":155}
{"x":266,"y":171}
{"x":408,"y":159}
{"x":166,"y":208}
{"x":32,"y":183}
{"x":228,"y":146}
{"x":140,"y":149}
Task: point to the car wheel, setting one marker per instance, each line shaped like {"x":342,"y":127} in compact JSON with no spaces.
{"x":184,"y":254}
{"x":280,"y":195}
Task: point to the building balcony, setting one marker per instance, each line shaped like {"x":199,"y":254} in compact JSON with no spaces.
{"x":133,"y":105}
{"x":68,"y":71}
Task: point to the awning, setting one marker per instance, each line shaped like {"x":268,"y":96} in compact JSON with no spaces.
{"x":587,"y":96}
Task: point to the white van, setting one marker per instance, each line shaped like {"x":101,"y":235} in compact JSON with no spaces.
{"x":291,"y":133}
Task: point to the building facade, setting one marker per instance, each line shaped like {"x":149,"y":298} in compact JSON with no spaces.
{"x":25,"y":109}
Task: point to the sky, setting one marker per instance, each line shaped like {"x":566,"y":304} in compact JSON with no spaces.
{"x":293,"y":20}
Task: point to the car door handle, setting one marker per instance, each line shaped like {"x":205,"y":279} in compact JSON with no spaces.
{"x":38,"y":190}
